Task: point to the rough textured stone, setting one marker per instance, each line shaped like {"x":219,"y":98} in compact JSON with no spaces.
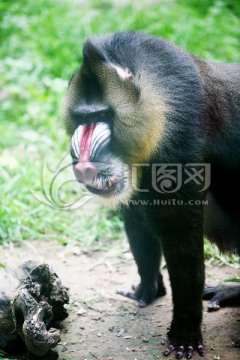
{"x":32,"y":297}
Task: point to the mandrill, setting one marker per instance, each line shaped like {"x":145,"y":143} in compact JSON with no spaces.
{"x":156,"y":133}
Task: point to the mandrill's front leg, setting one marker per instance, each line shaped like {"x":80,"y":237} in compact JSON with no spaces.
{"x":146,"y":250}
{"x":183,"y":251}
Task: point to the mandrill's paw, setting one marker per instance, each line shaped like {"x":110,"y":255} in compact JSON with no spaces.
{"x":145,"y":294}
{"x":183,"y":341}
{"x":188,"y":349}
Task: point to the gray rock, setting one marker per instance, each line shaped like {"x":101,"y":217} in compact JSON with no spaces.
{"x":31,"y":298}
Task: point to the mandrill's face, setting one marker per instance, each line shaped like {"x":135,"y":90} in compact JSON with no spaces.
{"x":114,"y":117}
{"x":94,"y":164}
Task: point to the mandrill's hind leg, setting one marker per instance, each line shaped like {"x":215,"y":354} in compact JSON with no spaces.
{"x":146,"y":250}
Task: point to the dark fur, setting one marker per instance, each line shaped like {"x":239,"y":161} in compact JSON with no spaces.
{"x":202,"y":126}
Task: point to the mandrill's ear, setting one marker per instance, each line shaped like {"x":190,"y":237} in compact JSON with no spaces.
{"x":93,"y":53}
{"x":124,"y":74}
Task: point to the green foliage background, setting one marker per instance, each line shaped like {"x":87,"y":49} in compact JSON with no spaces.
{"x":40,"y":47}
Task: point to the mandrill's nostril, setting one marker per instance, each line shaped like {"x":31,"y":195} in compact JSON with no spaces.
{"x":85,"y":171}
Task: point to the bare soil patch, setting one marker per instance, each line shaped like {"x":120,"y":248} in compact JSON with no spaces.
{"x":103,"y":325}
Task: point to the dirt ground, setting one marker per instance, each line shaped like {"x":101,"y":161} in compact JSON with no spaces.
{"x":103,"y":325}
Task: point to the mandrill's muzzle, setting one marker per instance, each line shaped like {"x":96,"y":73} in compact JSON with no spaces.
{"x":93,"y":162}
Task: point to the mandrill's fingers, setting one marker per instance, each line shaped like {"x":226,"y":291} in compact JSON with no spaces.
{"x":169,"y":350}
{"x":180,"y":352}
{"x":190,"y":350}
{"x":213,"y":305}
{"x":210,"y":293}
{"x":200,"y":349}
{"x":127,"y":294}
{"x":133,"y":295}
{"x":181,"y":349}
{"x":142,"y":303}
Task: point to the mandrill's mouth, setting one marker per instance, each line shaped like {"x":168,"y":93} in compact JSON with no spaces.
{"x":103,"y":186}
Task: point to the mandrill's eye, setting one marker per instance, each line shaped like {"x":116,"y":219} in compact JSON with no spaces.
{"x":90,"y":113}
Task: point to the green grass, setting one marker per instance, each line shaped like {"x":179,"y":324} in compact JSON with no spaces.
{"x":4,"y":355}
{"x":40,"y":47}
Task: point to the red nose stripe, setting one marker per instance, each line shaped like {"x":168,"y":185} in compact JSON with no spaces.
{"x":85,"y":142}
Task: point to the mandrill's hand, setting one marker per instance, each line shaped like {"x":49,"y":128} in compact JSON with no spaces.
{"x":184,"y":338}
{"x":188,"y":349}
